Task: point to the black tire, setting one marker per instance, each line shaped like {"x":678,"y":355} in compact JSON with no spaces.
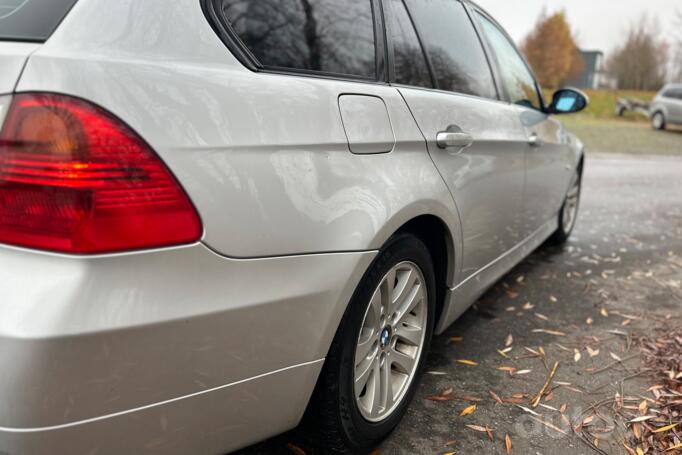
{"x":333,"y":417}
{"x":562,"y":234}
{"x":658,"y":121}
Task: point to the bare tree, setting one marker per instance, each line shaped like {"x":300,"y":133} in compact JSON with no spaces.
{"x":641,"y":62}
{"x":676,"y":51}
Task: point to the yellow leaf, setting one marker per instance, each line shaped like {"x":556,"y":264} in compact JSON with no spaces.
{"x":662,"y":429}
{"x":675,"y":447}
{"x":508,"y":444}
{"x":469,"y":410}
{"x":640,"y":451}
{"x":456,"y":339}
{"x":467,"y":362}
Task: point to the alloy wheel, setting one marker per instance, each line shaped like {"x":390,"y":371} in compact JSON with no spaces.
{"x":571,"y":205}
{"x":391,"y":341}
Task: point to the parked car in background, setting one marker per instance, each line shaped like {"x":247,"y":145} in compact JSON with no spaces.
{"x":666,"y":108}
{"x":220,"y":216}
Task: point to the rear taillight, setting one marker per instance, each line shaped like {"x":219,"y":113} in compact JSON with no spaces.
{"x":75,"y":179}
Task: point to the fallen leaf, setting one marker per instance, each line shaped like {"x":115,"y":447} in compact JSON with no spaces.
{"x":553,"y":299}
{"x":550,"y":332}
{"x":529,"y":411}
{"x":666,"y":428}
{"x":604,"y":312}
{"x":495,"y":396}
{"x":642,"y":419}
{"x":528,"y":306}
{"x":577,"y":356}
{"x":592,"y":352}
{"x":637,"y":430}
{"x":467,"y":362}
{"x":468,"y":410}
{"x":295,"y":449}
{"x":456,"y":339}
{"x":509,"y":341}
{"x":508,"y":444}
{"x":549,"y":425}
{"x":615,"y":357}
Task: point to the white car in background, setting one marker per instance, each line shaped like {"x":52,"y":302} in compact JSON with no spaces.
{"x":666,"y":108}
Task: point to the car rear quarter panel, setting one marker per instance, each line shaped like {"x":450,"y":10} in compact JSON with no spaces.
{"x":264,"y":157}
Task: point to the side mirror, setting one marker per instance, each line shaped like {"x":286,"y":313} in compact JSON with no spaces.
{"x":568,"y":101}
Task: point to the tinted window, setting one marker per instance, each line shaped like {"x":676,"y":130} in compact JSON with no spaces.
{"x":516,"y":78}
{"x":673,"y":93}
{"x":454,"y":49}
{"x":31,"y":20}
{"x":409,"y":60}
{"x":332,"y":36}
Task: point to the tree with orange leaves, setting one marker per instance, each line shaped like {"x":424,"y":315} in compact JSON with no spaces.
{"x":552,"y":52}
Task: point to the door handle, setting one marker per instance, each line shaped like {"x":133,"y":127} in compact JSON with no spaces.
{"x":534,"y":140}
{"x":450,"y":139}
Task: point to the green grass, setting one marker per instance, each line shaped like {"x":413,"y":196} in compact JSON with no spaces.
{"x":619,"y":136}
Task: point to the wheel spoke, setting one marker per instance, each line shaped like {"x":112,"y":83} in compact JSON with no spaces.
{"x":404,"y":361}
{"x":375,"y":406}
{"x":375,"y":307}
{"x":387,"y":289}
{"x":386,"y":393}
{"x":363,"y":373}
{"x":403,"y":289}
{"x":411,"y":301}
{"x":364,"y":349}
{"x":411,"y":335}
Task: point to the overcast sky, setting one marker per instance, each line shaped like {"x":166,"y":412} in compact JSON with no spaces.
{"x":599,"y":24}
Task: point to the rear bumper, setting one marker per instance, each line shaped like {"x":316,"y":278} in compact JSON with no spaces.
{"x":173,"y":351}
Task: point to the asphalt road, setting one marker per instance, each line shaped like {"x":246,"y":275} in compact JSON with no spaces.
{"x":619,"y":277}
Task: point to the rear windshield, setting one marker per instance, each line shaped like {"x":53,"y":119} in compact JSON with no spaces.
{"x":31,"y":20}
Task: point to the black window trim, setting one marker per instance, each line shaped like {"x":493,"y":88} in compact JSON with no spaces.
{"x":229,"y":37}
{"x":391,"y":49}
{"x":496,"y":63}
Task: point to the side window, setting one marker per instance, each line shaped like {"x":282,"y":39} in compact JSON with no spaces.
{"x":408,"y":55}
{"x":669,"y":94}
{"x":330,"y":36}
{"x":516,"y":77}
{"x":454,"y":49}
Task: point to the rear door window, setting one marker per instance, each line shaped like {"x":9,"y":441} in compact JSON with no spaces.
{"x":453,"y":47}
{"x":516,"y":77}
{"x":31,"y":20}
{"x":325,"y":36}
{"x":410,"y":65}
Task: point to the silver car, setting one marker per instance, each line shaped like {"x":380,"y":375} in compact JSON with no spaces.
{"x":221,"y":218}
{"x":666,"y":108}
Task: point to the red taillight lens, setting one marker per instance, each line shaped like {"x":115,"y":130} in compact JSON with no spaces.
{"x":75,"y":179}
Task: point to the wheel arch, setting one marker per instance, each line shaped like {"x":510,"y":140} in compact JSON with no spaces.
{"x":436,"y":235}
